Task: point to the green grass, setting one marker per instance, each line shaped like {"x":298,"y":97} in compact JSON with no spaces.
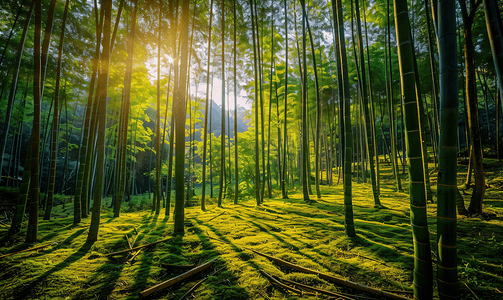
{"x":310,"y":235}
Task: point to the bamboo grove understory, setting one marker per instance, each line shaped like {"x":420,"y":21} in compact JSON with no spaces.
{"x":118,"y":98}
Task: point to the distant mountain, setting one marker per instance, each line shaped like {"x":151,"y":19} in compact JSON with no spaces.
{"x":216,"y":116}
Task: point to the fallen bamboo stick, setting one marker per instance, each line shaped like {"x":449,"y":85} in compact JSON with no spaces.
{"x":128,"y":243}
{"x":331,"y":278}
{"x":134,"y":240}
{"x":186,"y":267}
{"x":133,"y":257}
{"x":473,"y":293}
{"x":31,"y":249}
{"x":307,"y":287}
{"x":136,"y":248}
{"x":193,"y":288}
{"x":216,"y":216}
{"x":282,"y":285}
{"x":399,"y":291}
{"x":334,"y":279}
{"x":176,"y":279}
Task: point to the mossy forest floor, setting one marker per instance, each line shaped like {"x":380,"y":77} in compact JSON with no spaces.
{"x":310,"y":235}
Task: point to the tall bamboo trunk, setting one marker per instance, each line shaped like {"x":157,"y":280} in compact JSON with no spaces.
{"x":366,"y":114}
{"x":179,"y":109}
{"x":122,"y":144}
{"x":318,"y":108}
{"x":81,"y":189}
{"x":391,"y":108}
{"x":174,"y":30}
{"x":473,"y":120}
{"x":102,"y":115}
{"x":222,"y":132}
{"x":205,"y":128}
{"x":236,"y":173}
{"x":258,"y":193}
{"x":305,"y":126}
{"x":423,"y":271}
{"x":348,"y":135}
{"x":55,"y":121}
{"x":157,"y":188}
{"x":31,"y":234}
{"x":372,"y":110}
{"x":269,"y":177}
{"x":447,"y":278}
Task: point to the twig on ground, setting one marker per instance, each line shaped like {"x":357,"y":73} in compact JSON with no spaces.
{"x":473,"y":293}
{"x":185,"y":267}
{"x":282,"y":285}
{"x":31,"y":249}
{"x":369,"y":258}
{"x":136,"y":248}
{"x":331,"y":278}
{"x":135,"y":237}
{"x":176,"y":279}
{"x":128,"y":243}
{"x":193,"y":288}
{"x":399,"y":291}
{"x":310,"y":288}
{"x":263,"y":293}
{"x":134,"y":256}
{"x":216,"y":216}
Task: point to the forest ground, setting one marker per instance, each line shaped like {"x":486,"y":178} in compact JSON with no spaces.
{"x":310,"y":235}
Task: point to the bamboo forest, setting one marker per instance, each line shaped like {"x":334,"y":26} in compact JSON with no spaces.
{"x":251,"y":149}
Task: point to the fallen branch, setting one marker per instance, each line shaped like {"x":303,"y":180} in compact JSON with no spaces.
{"x":282,"y":285}
{"x":216,"y":216}
{"x":137,"y":248}
{"x":193,"y":288}
{"x":128,"y":243}
{"x":473,"y":293}
{"x":133,"y":257}
{"x":321,"y":291}
{"x":186,"y":267}
{"x":399,"y":291}
{"x":369,"y":258}
{"x":176,"y":279}
{"x":331,"y":278}
{"x":334,"y":279}
{"x":135,"y":237}
{"x":31,"y":249}
{"x":1,"y":223}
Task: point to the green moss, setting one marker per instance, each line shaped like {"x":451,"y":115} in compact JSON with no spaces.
{"x":381,"y":255}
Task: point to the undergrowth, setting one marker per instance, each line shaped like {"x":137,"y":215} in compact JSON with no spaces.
{"x":310,"y":235}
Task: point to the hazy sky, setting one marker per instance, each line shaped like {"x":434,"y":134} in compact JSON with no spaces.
{"x":217,"y":94}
